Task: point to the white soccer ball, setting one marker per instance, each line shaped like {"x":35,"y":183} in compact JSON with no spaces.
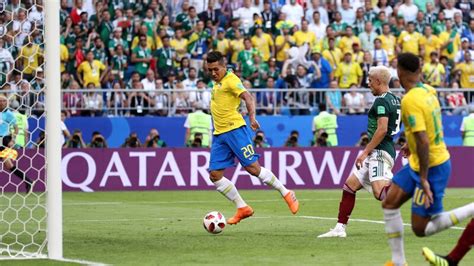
{"x":214,"y":222}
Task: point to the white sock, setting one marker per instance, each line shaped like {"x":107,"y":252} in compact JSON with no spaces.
{"x":270,"y":179}
{"x":447,"y":219}
{"x":394,"y":230}
{"x":228,"y":189}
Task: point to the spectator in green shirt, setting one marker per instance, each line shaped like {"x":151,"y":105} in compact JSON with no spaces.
{"x":141,"y":56}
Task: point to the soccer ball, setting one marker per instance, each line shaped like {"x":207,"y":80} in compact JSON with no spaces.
{"x":214,"y":222}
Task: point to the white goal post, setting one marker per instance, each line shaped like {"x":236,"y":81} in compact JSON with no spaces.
{"x":53,"y":133}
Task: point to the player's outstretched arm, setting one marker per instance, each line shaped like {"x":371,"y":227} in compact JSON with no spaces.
{"x":250,"y":103}
{"x":423,"y":152}
{"x":379,"y":135}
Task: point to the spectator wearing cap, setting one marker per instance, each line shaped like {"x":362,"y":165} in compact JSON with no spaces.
{"x":91,"y":71}
{"x":379,"y":55}
{"x":198,"y":44}
{"x":303,"y":35}
{"x":269,"y":17}
{"x":409,"y":41}
{"x":433,"y":71}
{"x":451,"y":41}
{"x":325,"y":68}
{"x":333,"y":54}
{"x":165,"y":57}
{"x":348,"y":72}
{"x":263,"y":42}
{"x":389,"y":41}
{"x":408,"y":11}
{"x":221,"y":44}
{"x":431,"y":43}
{"x":141,"y":56}
{"x":179,"y":44}
{"x":245,"y":59}
{"x":346,"y":42}
{"x":466,"y":71}
{"x":464,"y":49}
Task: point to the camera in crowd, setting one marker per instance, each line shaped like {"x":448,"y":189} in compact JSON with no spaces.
{"x":322,"y":139}
{"x":197,"y":142}
{"x":363,"y":140}
{"x":292,"y":140}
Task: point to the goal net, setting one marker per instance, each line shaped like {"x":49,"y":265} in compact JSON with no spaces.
{"x":24,"y":211}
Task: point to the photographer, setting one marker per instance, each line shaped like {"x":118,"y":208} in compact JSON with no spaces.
{"x":132,"y":141}
{"x":363,"y":140}
{"x":322,"y":139}
{"x":98,"y":141}
{"x":292,"y":140}
{"x":76,"y":141}
{"x":197,"y":141}
{"x":153,"y":139}
{"x":260,"y":141}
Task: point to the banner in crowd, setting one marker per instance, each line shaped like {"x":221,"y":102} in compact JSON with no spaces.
{"x":92,"y":170}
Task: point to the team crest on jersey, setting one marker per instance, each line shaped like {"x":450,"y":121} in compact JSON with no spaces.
{"x":411,"y":120}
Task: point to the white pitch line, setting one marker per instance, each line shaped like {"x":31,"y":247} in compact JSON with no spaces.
{"x":257,"y":217}
{"x":35,"y":256}
{"x":84,"y":262}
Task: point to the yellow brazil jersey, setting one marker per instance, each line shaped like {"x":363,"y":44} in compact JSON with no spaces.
{"x":345,"y":44}
{"x":222,"y":46}
{"x":64,"y":55}
{"x":305,"y":37}
{"x":421,"y":112}
{"x":225,"y":102}
{"x":281,"y":55}
{"x":263,"y":44}
{"x":431,"y":44}
{"x":30,"y":55}
{"x":348,"y":74}
{"x":333,"y":57}
{"x":410,"y":42}
{"x":388,"y":43}
{"x":444,"y":38}
{"x":91,"y":72}
{"x":358,"y":57}
{"x":150,"y":44}
{"x":236,"y":46}
{"x":467,"y":74}
{"x":433,"y":73}
{"x":180,"y":46}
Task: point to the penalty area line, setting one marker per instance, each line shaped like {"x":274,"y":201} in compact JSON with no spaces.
{"x":83,"y":262}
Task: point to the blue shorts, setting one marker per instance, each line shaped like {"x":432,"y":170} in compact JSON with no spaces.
{"x":228,"y":145}
{"x":409,"y":181}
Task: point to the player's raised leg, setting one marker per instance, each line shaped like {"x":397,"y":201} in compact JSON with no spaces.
{"x":351,"y":186}
{"x":465,"y":243}
{"x":270,"y":179}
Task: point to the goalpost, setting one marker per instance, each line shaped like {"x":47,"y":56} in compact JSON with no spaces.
{"x":31,"y":223}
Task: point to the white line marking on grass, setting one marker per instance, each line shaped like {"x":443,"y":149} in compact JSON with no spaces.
{"x":25,"y":255}
{"x":362,"y":221}
{"x":84,"y":262}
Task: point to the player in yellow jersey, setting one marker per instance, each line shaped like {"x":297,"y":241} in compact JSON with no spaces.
{"x":426,"y":176}
{"x":8,"y":157}
{"x":232,"y":138}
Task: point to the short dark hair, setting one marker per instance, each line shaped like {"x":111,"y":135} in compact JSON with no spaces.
{"x":409,"y":62}
{"x":295,"y":132}
{"x":322,"y":107}
{"x":215,"y":56}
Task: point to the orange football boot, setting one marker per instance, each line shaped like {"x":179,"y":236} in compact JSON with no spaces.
{"x":292,"y":202}
{"x":241,"y":214}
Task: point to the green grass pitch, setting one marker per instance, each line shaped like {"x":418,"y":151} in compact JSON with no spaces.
{"x":163,"y":228}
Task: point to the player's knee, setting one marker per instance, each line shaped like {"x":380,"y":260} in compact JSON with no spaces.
{"x":215,"y":176}
{"x":419,"y":231}
{"x":253,"y":169}
{"x":387,"y":204}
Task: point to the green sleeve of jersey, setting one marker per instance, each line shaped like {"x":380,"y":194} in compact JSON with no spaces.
{"x":381,"y":107}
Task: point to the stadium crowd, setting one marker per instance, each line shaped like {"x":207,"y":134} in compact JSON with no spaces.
{"x":138,"y":49}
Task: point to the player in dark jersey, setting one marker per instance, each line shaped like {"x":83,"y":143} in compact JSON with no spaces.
{"x":374,"y":165}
